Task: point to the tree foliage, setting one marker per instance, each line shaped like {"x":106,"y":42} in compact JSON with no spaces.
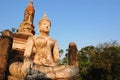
{"x":65,"y":59}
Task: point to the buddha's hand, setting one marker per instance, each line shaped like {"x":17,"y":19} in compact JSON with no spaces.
{"x":26,"y":64}
{"x":57,"y":61}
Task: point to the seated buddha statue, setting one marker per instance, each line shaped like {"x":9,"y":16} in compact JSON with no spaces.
{"x":46,"y":58}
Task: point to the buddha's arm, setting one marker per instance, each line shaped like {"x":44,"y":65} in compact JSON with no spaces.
{"x":27,"y":61}
{"x":29,"y":47}
{"x":56,"y":52}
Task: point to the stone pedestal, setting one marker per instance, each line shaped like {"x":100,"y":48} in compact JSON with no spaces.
{"x":19,"y":42}
{"x":14,"y":78}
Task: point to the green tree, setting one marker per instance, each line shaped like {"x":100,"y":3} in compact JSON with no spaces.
{"x":65,"y":59}
{"x":105,"y":62}
{"x":84,"y":61}
{"x":61,"y":51}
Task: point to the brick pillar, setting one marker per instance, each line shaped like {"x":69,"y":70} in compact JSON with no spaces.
{"x":5,"y":47}
{"x":73,"y":54}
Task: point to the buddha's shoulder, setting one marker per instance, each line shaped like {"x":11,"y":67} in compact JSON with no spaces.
{"x":41,"y":37}
{"x":32,"y":37}
{"x":52,"y":39}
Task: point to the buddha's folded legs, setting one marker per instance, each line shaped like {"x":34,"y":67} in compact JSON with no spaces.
{"x":60,"y":71}
{"x":66,"y":72}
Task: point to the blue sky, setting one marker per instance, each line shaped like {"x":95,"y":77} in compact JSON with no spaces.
{"x":85,"y":22}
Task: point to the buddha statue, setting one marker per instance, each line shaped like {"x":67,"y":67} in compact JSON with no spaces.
{"x":46,"y":58}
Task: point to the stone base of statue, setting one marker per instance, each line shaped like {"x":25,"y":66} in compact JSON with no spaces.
{"x":18,"y":78}
{"x":15,"y":78}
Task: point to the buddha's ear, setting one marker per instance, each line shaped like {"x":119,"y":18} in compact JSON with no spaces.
{"x":39,"y":28}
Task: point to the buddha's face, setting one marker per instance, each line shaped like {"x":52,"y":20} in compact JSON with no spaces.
{"x":44,"y":26}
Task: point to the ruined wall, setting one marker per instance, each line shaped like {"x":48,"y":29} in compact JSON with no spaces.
{"x":5,"y":48}
{"x":73,"y":54}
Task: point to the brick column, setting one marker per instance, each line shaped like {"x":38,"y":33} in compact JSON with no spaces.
{"x":5,"y":47}
{"x":73,"y":54}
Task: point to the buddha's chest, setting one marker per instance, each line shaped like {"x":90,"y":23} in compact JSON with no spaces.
{"x":41,"y":42}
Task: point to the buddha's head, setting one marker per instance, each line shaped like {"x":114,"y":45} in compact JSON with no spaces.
{"x":44,"y":24}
